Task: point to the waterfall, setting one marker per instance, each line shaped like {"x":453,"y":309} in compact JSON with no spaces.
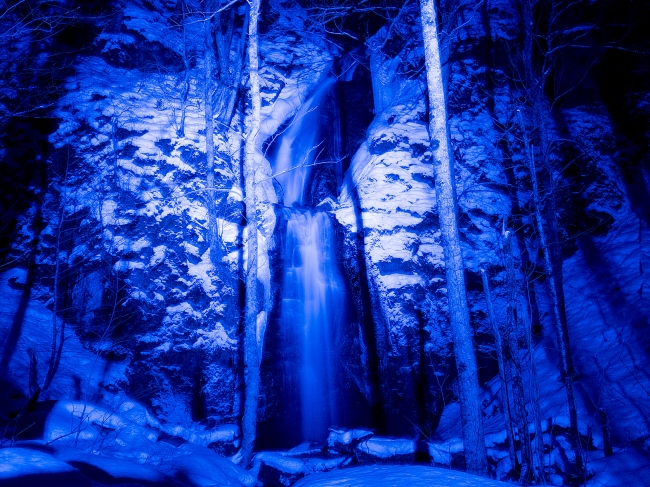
{"x":313,"y":298}
{"x":313,"y":304}
{"x":299,"y":149}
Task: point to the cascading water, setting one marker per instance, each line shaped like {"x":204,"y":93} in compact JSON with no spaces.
{"x":299,"y":149}
{"x":313,"y":296}
{"x":313,"y":304}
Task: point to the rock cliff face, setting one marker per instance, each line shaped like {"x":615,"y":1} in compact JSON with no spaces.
{"x":141,"y":284}
{"x":124,"y":240}
{"x":126,"y":214}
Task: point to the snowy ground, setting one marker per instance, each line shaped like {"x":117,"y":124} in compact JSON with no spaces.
{"x":41,"y":465}
{"x":397,"y":476}
{"x":627,"y":468}
{"x":80,"y":371}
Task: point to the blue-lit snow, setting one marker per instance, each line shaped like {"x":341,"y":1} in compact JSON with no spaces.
{"x":115,"y":469}
{"x":77,"y":363}
{"x":16,"y":462}
{"x":200,"y":467}
{"x":397,"y":476}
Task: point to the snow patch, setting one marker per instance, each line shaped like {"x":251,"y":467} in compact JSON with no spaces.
{"x":387,"y":447}
{"x":215,"y":339}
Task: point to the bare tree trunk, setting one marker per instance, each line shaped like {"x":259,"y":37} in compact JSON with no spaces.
{"x":516,"y":376}
{"x":607,"y":432}
{"x":505,"y":397}
{"x":535,"y":83}
{"x":57,"y":341}
{"x":251,"y":354}
{"x":115,"y":143}
{"x":559,"y":314}
{"x":186,"y":78}
{"x":511,"y":285}
{"x":229,"y":108}
{"x":213,"y":229}
{"x":537,"y":415}
{"x":471,"y":414}
{"x":34,"y":388}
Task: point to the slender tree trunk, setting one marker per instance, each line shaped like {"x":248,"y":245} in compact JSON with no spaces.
{"x":34,"y":388}
{"x":186,"y":79}
{"x":537,"y":415}
{"x":251,"y":351}
{"x":559,"y":314}
{"x":226,"y":115}
{"x":213,"y":228}
{"x":505,"y":397}
{"x":546,"y":227}
{"x":518,"y":395}
{"x":57,"y":341}
{"x":516,"y":375}
{"x":115,"y":143}
{"x":607,"y":432}
{"x":471,"y":414}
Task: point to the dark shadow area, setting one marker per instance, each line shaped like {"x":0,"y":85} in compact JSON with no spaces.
{"x":623,"y":85}
{"x":374,"y":332}
{"x":19,"y":418}
{"x":24,"y":181}
{"x":66,"y":479}
{"x":41,"y":42}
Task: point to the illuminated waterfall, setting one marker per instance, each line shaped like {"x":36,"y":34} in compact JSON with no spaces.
{"x":313,"y":297}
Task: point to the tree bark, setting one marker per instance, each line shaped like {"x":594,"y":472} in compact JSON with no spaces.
{"x":216,"y":253}
{"x":559,"y":314}
{"x":185,"y":91}
{"x":505,"y":399}
{"x":471,"y":414}
{"x":58,"y":332}
{"x":251,"y":351}
{"x":607,"y":432}
{"x":518,"y":397}
{"x":518,"y":384}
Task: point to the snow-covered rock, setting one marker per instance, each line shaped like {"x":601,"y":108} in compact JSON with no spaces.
{"x":345,"y":441}
{"x":278,"y":470}
{"x":385,"y":450}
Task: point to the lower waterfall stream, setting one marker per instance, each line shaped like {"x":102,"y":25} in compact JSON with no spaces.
{"x":312,"y":304}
